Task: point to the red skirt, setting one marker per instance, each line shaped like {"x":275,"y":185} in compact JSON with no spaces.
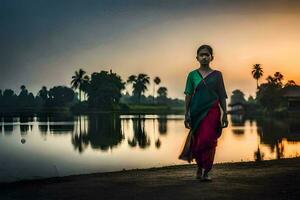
{"x":204,"y":143}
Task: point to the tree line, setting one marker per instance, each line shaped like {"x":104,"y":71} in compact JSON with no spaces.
{"x":269,"y":97}
{"x":101,"y":90}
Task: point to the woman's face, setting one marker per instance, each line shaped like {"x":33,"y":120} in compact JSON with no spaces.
{"x":204,"y":57}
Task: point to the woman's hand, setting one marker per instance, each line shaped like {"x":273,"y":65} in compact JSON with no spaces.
{"x":224,"y":122}
{"x":187,"y":121}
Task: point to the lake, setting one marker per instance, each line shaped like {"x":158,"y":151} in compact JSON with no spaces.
{"x":59,"y":145}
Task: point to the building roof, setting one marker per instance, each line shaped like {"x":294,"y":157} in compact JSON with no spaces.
{"x":291,"y":91}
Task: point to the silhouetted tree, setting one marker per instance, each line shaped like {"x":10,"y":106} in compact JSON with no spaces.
{"x":24,"y":91}
{"x":43,"y":93}
{"x":269,"y":96}
{"x":139,"y":84}
{"x":278,"y":77}
{"x":9,"y":99}
{"x":237,"y":97}
{"x":251,"y":98}
{"x":61,"y":96}
{"x":1,"y":95}
{"x":290,"y":83}
{"x":78,"y":79}
{"x":25,"y":99}
{"x":84,"y":86}
{"x":257,"y":72}
{"x":275,"y":80}
{"x":104,"y":90}
{"x":156,"y":81}
{"x":162,"y":94}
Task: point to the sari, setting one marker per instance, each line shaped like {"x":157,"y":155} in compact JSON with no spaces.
{"x":205,"y":114}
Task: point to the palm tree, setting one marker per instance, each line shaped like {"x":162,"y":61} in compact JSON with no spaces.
{"x":139,"y":84}
{"x":278,"y":77}
{"x":84,"y":86}
{"x":156,"y":81}
{"x":78,"y":80}
{"x":257,"y":72}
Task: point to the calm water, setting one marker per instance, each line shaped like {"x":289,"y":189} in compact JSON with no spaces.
{"x":47,"y":146}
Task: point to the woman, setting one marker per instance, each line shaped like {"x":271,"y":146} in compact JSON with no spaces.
{"x":205,"y":94}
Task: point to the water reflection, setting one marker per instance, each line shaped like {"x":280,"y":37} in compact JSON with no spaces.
{"x":237,"y":120}
{"x":273,"y":132}
{"x":123,"y":141}
{"x":162,"y":124}
{"x":107,"y":131}
{"x":61,"y":123}
{"x":104,"y":131}
{"x":101,"y":131}
{"x":43,"y":123}
{"x":8,"y":125}
{"x":24,"y":123}
{"x":258,"y":155}
{"x":140,"y":137}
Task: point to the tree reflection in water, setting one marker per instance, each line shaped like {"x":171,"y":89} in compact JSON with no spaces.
{"x":140,"y":137}
{"x":24,"y":120}
{"x":237,"y":120}
{"x":156,"y":138}
{"x":258,"y":155}
{"x":273,"y":131}
{"x":101,"y":131}
{"x":79,"y":139}
{"x":8,"y":126}
{"x":162,"y":124}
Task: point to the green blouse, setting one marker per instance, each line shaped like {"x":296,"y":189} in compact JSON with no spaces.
{"x":214,"y":81}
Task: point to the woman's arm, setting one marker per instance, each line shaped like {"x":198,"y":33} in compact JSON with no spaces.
{"x":187,"y":118}
{"x":224,"y":120}
{"x":223,"y":105}
{"x":188,"y":95}
{"x":187,"y":103}
{"x":222,"y":96}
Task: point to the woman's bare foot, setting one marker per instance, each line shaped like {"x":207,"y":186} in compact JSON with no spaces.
{"x":199,"y":173}
{"x":206,"y":177}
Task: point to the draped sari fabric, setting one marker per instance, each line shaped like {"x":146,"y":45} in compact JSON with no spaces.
{"x":205,"y":116}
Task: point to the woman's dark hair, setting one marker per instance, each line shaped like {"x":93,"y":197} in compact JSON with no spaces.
{"x":205,"y":47}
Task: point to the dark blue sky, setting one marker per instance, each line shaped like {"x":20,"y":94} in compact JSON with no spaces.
{"x":40,"y":38}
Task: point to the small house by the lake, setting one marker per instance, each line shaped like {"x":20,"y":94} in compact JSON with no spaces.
{"x":292,"y":95}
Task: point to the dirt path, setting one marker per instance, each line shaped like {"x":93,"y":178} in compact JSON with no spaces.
{"x":277,"y":179}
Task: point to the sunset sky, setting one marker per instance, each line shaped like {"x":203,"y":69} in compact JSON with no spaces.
{"x":44,"y":42}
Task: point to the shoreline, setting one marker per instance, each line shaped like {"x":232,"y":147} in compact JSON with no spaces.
{"x":132,"y":170}
{"x":274,"y":179}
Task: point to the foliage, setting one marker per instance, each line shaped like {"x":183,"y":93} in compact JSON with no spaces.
{"x":237,"y":97}
{"x":269,"y":94}
{"x":257,"y":72}
{"x":139,"y":84}
{"x":104,"y":90}
{"x":162,"y":95}
{"x":60,"y":96}
{"x":80,"y":81}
